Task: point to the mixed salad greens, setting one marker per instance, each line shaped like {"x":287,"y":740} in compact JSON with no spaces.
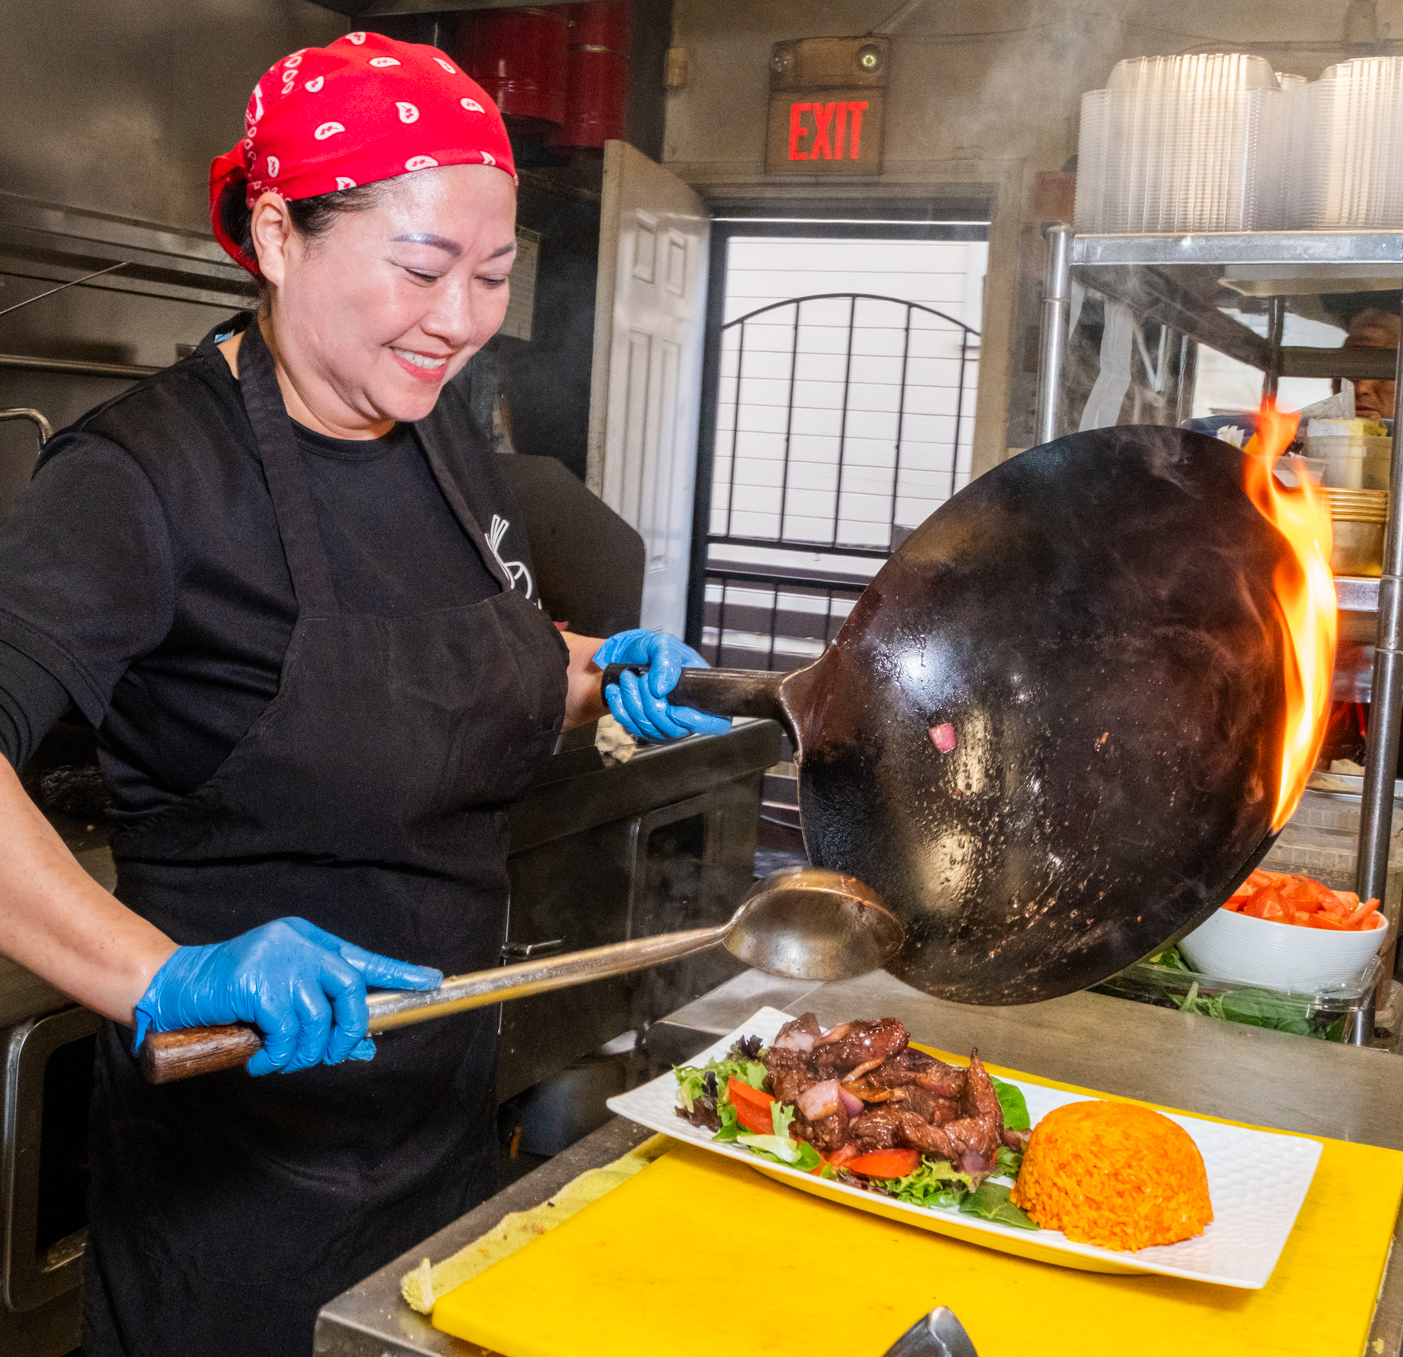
{"x":1251,"y":1007}
{"x":732,"y":1088}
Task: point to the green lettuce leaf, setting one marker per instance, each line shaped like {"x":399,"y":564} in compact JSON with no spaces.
{"x":991,"y":1202}
{"x":798,"y":1154}
{"x":1013,"y":1103}
{"x":692,"y":1079}
{"x":781,"y":1115}
{"x":1172,"y":958}
{"x":730,"y":1123}
{"x":1007,"y":1163}
{"x":935,"y":1182}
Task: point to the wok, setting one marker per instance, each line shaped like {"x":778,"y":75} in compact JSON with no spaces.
{"x":1094,"y":620}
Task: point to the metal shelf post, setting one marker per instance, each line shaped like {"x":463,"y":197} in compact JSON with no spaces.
{"x":1138,"y":270}
{"x":1057,"y":301}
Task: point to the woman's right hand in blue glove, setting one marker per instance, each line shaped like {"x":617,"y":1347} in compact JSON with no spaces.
{"x":302,"y":987}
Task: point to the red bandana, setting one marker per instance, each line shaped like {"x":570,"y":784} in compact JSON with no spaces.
{"x":365,"y":108}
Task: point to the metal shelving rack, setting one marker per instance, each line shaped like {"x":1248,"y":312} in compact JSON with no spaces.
{"x":1139,"y":271}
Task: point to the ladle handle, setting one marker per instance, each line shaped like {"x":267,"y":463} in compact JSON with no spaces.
{"x":168,"y":1056}
{"x":721,"y":692}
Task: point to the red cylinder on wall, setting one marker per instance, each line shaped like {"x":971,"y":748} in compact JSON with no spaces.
{"x":597,"y":73}
{"x":519,"y":57}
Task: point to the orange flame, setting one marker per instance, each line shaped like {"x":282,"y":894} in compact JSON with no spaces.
{"x":1305,"y":596}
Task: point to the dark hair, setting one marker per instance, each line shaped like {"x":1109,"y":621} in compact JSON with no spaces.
{"x":311,"y":217}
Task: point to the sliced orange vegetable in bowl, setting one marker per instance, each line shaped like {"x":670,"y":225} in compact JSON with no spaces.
{"x":1304,"y":950}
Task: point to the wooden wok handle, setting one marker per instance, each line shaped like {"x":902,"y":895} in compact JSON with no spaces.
{"x":168,"y":1056}
{"x":721,"y":692}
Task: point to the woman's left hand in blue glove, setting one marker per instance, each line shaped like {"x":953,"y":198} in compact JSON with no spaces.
{"x":639,"y":703}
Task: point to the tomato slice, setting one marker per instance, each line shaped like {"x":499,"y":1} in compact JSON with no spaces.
{"x":752,"y":1107}
{"x":1268,"y":904}
{"x":1328,"y":922}
{"x":885,"y":1163}
{"x":1357,"y":918}
{"x":738,"y":1091}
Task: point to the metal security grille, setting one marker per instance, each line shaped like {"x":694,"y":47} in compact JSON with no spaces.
{"x":843,"y":420}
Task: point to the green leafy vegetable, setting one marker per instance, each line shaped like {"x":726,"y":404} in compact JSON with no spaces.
{"x":991,"y":1202}
{"x":1007,"y":1163}
{"x":1172,"y":958}
{"x":781,"y":1115}
{"x":1012,"y":1101}
{"x":798,"y":1154}
{"x":693,"y":1085}
{"x":1257,"y":1008}
{"x":730,"y":1122}
{"x":935,"y":1182}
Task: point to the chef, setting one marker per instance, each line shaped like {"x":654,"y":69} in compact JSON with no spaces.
{"x":1373,"y":328}
{"x":262,"y":576}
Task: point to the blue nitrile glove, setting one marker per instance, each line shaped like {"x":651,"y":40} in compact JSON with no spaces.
{"x":641,"y":708}
{"x":302,"y":987}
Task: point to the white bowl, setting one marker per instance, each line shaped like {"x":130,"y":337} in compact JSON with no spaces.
{"x":1236,"y":946}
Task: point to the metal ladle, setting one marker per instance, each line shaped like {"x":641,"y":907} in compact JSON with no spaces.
{"x":804,"y":923}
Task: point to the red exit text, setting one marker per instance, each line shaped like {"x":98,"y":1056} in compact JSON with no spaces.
{"x":822,"y":133}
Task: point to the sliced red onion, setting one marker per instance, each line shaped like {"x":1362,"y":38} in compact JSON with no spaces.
{"x":834,"y":1034}
{"x":972,"y":1162}
{"x":852,"y":1103}
{"x":866,"y":1067}
{"x":820,"y":1100}
{"x":795,"y":1041}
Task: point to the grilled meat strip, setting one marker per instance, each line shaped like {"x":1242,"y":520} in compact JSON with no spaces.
{"x":966,"y":1130}
{"x":798,"y":1035}
{"x":910,"y":1100}
{"x":854,"y":1048}
{"x":826,"y":1134}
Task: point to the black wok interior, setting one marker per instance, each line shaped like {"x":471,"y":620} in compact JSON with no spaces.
{"x":1095,"y":618}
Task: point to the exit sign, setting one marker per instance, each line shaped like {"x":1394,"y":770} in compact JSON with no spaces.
{"x":827,"y":101}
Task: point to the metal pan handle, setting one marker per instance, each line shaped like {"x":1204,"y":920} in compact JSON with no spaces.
{"x":720,"y":692}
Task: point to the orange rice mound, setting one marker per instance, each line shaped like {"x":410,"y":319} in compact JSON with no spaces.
{"x":1115,"y":1175}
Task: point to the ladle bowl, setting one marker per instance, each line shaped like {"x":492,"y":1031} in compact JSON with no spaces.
{"x":809,"y":923}
{"x":803,"y":923}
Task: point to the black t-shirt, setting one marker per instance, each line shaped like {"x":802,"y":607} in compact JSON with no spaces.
{"x":143,"y":569}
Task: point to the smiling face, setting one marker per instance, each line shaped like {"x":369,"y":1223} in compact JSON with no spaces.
{"x":372,"y":317}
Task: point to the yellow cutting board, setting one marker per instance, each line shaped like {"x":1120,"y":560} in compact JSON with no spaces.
{"x":700,"y":1255}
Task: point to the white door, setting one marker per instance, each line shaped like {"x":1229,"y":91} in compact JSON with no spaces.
{"x":649,"y":312}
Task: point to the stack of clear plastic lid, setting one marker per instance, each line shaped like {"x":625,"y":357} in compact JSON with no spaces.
{"x":1344,"y":166}
{"x":1184,"y":143}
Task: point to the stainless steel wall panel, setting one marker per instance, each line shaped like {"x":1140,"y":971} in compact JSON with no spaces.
{"x":119,"y":108}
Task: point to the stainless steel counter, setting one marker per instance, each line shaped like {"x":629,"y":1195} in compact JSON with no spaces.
{"x":1176,"y":1059}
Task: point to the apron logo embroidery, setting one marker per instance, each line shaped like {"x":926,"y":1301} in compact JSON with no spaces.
{"x":515,"y":571}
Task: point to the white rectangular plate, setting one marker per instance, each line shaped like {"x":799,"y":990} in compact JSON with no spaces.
{"x":1257,"y":1181}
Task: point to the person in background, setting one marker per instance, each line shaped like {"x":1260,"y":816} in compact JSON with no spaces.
{"x":1373,"y":328}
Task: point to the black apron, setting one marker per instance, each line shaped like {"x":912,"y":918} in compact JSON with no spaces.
{"x":369,"y":797}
